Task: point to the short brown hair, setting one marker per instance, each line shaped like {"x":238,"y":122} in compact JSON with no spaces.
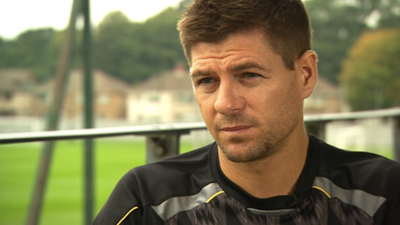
{"x":285,"y":22}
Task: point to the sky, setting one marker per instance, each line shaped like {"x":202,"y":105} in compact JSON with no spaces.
{"x":17,"y":16}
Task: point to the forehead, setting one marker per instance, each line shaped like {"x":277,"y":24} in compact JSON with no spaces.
{"x":237,"y":47}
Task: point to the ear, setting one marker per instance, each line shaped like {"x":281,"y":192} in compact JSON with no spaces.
{"x":306,"y":68}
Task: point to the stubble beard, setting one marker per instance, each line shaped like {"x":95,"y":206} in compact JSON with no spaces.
{"x":269,"y":141}
{"x":252,"y":152}
{"x":262,"y":147}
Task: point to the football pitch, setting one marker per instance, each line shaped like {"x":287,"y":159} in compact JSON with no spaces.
{"x":63,"y":202}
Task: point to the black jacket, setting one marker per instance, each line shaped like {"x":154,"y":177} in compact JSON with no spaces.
{"x":335,"y":187}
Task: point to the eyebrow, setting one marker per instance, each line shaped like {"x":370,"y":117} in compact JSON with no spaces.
{"x":247,"y":65}
{"x":232,"y":69}
{"x":197,"y":73}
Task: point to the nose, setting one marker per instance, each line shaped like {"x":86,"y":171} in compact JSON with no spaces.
{"x":229,"y":100}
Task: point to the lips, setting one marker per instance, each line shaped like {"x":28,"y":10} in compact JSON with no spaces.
{"x":235,"y":128}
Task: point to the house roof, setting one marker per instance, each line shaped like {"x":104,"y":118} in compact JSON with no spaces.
{"x":102,"y":82}
{"x":16,"y":79}
{"x":172,"y":80}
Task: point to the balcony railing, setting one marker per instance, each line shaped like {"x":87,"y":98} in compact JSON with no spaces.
{"x":166,"y":136}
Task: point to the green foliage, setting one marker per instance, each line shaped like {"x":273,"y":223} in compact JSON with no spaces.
{"x":371,"y":74}
{"x":387,"y":10}
{"x":113,"y":44}
{"x":338,"y":24}
{"x":2,"y":53}
{"x":32,"y":49}
{"x":135,"y":51}
{"x":131,"y":51}
{"x":335,"y":29}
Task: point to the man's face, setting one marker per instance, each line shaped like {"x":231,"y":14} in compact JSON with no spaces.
{"x":249,"y":101}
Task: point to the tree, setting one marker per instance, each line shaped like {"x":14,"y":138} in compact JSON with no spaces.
{"x":161,"y":41}
{"x":2,"y":52}
{"x":371,"y":73}
{"x":136,"y":51}
{"x":338,"y":23}
{"x":31,"y":49}
{"x":335,"y":29}
{"x":113,"y":45}
{"x":386,"y":12}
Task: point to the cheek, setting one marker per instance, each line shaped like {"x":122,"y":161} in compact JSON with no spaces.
{"x":263,"y":98}
{"x":273,"y":102}
{"x":206,"y":105}
{"x":200,"y":100}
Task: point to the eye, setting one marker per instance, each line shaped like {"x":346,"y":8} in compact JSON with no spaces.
{"x":250,"y":75}
{"x":207,"y":80}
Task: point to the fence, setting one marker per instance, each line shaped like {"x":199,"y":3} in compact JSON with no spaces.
{"x":164,"y":135}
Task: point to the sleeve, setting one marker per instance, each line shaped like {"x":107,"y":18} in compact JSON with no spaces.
{"x":123,"y":206}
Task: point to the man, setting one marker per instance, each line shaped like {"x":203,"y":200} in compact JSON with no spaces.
{"x":252,"y":67}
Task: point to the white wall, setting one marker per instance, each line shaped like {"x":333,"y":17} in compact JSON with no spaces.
{"x":365,"y":134}
{"x":168,"y":108}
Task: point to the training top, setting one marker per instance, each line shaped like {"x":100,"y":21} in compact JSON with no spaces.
{"x":335,"y":187}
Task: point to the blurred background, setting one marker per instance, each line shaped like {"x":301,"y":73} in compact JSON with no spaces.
{"x":140,"y":76}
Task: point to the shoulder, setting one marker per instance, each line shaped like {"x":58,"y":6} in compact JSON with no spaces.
{"x":339,"y":160}
{"x":188,"y":163}
{"x":365,"y":171}
{"x":150,"y":185}
{"x":184,"y":174}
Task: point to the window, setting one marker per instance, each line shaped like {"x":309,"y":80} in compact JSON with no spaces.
{"x":104,"y":99}
{"x":185,"y":97}
{"x":154,"y":97}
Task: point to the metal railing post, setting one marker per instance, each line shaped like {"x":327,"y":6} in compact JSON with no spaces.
{"x":161,"y":146}
{"x":88,"y":89}
{"x":396,"y":138}
{"x":54,"y":115}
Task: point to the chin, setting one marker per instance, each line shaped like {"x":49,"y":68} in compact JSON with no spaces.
{"x":242,"y":152}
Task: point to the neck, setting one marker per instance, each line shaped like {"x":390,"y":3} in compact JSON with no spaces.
{"x":271,"y":176}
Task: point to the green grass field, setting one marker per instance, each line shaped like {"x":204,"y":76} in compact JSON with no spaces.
{"x":63,"y":202}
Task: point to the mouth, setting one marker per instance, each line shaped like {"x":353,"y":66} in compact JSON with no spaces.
{"x":235,"y":128}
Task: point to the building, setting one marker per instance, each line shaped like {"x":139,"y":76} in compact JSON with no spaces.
{"x":326,"y":98}
{"x":109,"y":96}
{"x":18,"y":96}
{"x":164,"y":98}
